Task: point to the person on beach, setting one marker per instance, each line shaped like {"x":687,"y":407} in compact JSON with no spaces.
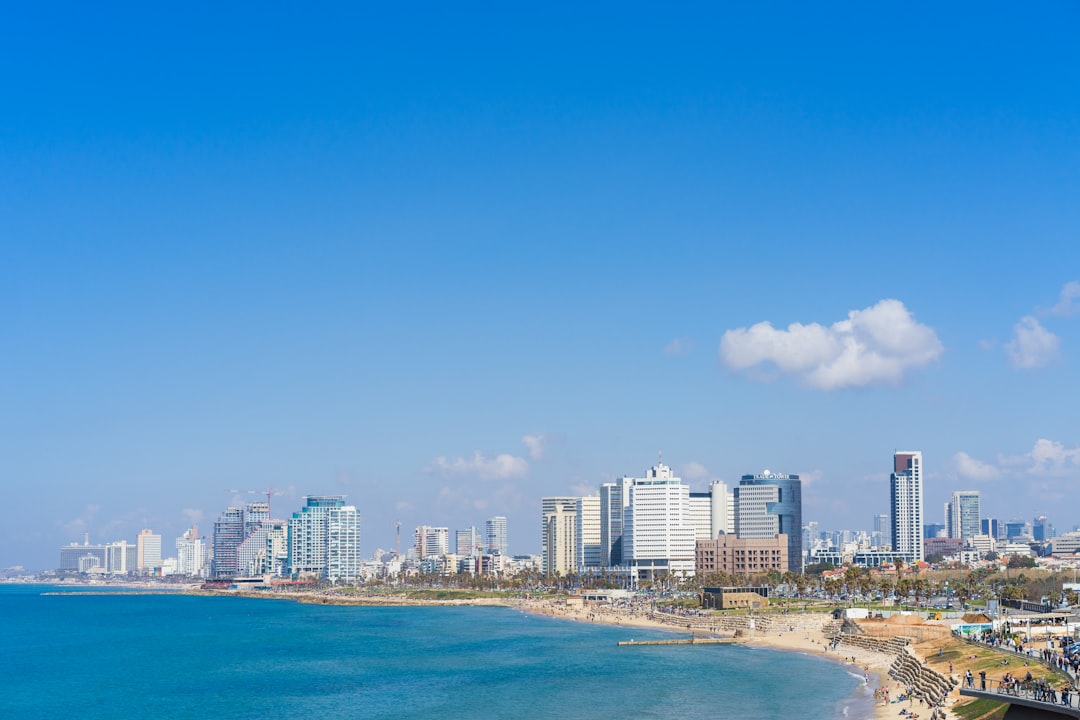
{"x":970,"y":679}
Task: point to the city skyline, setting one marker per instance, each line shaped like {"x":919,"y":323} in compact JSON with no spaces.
{"x":447,"y":263}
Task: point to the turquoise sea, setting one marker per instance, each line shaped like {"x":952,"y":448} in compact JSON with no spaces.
{"x":153,"y":656}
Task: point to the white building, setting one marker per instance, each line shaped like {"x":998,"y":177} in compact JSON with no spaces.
{"x":559,"y":535}
{"x":149,"y":550}
{"x":192,"y":554}
{"x":906,"y":502}
{"x":657,"y":533}
{"x":467,"y":542}
{"x":324,"y":540}
{"x":588,"y":533}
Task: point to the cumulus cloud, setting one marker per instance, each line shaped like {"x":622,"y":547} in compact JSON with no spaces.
{"x":536,"y":445}
{"x":500,"y":467}
{"x":876,"y":344}
{"x":679,"y":346}
{"x":193,"y":515}
{"x":1047,"y":458}
{"x":1067,"y":302}
{"x":969,"y":467}
{"x":809,"y":478}
{"x":1053,"y":458}
{"x":1032,"y":345}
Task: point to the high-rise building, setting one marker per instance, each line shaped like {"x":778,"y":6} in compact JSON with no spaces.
{"x":496,"y":540}
{"x":192,"y":554}
{"x":324,"y":539}
{"x":657,"y":533}
{"x":906,"y":503}
{"x":992,"y":527}
{"x":467,"y":542}
{"x":587,"y":531}
{"x":710,"y":511}
{"x":149,"y":550}
{"x":614,"y":497}
{"x":343,"y":544}
{"x":768,"y":505}
{"x":228,"y":534}
{"x":963,"y":514}
{"x":432,"y":542}
{"x":559,"y":535}
{"x":1041,"y":529}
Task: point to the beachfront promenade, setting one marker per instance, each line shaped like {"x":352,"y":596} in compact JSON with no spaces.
{"x":1044,"y":701}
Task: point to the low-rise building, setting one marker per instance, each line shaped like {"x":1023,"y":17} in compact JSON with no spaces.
{"x":741,"y":556}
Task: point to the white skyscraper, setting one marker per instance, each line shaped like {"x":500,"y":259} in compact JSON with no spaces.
{"x":324,"y":539}
{"x":657,"y":533}
{"x":588,"y":533}
{"x":906,"y":498}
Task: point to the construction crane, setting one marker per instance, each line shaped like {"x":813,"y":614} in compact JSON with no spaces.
{"x":268,"y":492}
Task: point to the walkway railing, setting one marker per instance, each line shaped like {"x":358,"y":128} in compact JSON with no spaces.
{"x":1039,"y":691}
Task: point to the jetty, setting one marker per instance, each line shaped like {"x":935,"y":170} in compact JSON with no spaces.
{"x":680,"y":641}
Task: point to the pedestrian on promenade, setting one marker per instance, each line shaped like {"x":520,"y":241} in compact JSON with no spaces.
{"x":982,"y":679}
{"x":970,"y":679}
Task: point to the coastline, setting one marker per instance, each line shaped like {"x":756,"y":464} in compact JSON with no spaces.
{"x":873,"y":666}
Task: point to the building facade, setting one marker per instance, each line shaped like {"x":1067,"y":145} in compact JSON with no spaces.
{"x":658,"y":537}
{"x":587,"y":531}
{"x":559,"y":535}
{"x":768,"y":505}
{"x":906,"y":504}
{"x":496,"y":539}
{"x":741,"y":556}
{"x":324,"y":540}
{"x":963,"y":515}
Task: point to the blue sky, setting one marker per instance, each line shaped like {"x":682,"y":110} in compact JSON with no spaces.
{"x":446,"y":262}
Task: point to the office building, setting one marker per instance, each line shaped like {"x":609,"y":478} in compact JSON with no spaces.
{"x":906,"y":502}
{"x":711,"y":512}
{"x":496,"y":540}
{"x":963,"y":515}
{"x":82,"y":558}
{"x":614,"y":497}
{"x":657,"y":535}
{"x":992,"y":527}
{"x":467,"y":542}
{"x":148,"y":550}
{"x":768,"y":505}
{"x":587,"y":531}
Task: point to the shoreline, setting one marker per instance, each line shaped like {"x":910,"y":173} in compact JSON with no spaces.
{"x":873,"y":666}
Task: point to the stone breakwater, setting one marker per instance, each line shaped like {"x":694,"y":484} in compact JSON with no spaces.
{"x":931,"y":686}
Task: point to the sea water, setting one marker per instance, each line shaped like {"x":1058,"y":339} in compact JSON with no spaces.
{"x":155,"y":656}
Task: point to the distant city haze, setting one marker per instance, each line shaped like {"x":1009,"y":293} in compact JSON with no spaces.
{"x":442,"y":264}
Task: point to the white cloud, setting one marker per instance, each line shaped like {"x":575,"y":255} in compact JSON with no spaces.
{"x":694,"y":471}
{"x":1067,"y":303}
{"x":193,"y":515}
{"x":536,"y":444}
{"x":1047,"y":458}
{"x":876,"y":344}
{"x":679,"y":346}
{"x":1053,"y":458}
{"x":969,"y":467}
{"x":809,"y":478}
{"x":1032,"y":345}
{"x":500,"y":467}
